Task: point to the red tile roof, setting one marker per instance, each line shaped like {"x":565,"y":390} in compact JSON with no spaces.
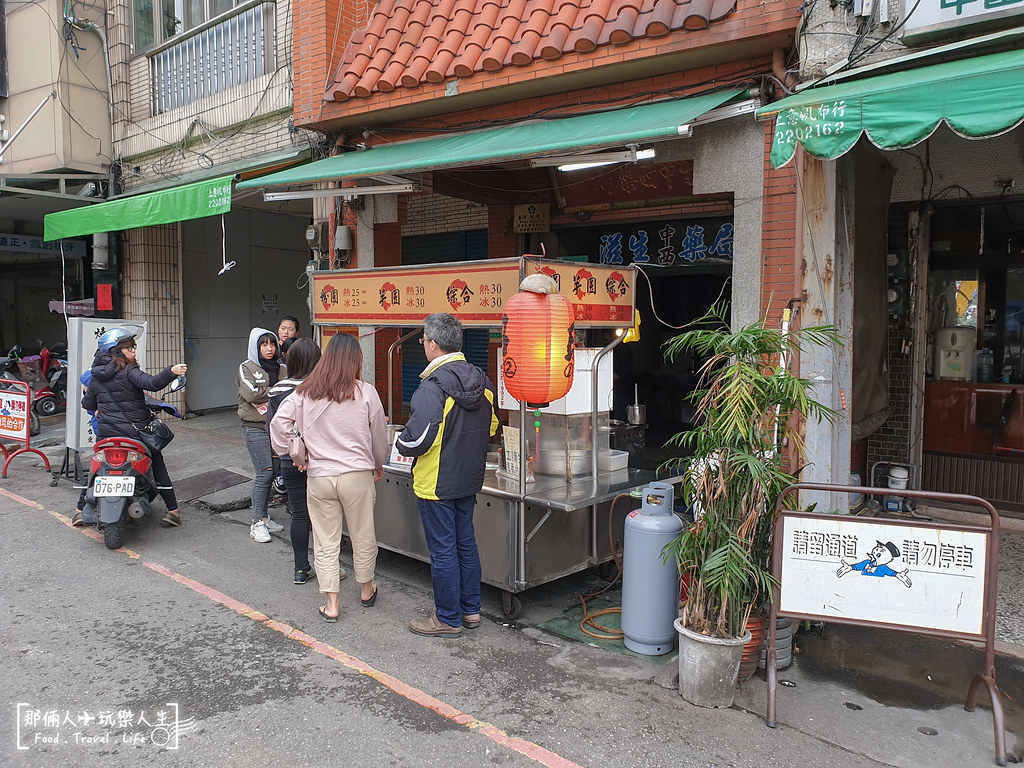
{"x":408,"y":42}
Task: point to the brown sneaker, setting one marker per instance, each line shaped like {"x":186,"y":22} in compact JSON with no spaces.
{"x":433,"y":627}
{"x":471,"y":620}
{"x":76,"y":519}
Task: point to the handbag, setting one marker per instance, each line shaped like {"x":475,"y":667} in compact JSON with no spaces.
{"x":297,"y":441}
{"x":155,"y":436}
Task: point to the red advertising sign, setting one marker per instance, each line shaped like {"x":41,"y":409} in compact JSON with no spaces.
{"x":602,"y":296}
{"x":474,"y":291}
{"x":14,"y":414}
{"x":14,"y":421}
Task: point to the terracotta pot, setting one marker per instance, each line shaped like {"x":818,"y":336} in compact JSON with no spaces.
{"x":756,"y":625}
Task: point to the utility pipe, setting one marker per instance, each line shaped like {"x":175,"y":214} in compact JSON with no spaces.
{"x":89,"y":26}
{"x":391,"y":350}
{"x":593,"y":401}
{"x":17,"y":133}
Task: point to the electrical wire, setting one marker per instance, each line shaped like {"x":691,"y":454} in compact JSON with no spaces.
{"x":650,"y":291}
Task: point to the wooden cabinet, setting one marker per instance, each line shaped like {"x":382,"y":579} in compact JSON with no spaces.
{"x":964,"y":417}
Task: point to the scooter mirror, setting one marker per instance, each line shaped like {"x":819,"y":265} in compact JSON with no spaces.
{"x":177,"y":384}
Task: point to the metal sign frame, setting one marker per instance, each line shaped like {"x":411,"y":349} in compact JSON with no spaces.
{"x":987,"y":633}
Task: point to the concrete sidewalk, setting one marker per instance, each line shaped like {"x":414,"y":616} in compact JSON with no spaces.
{"x":888,"y":697}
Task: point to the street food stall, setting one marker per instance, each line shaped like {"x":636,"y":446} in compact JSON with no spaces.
{"x":537,"y":519}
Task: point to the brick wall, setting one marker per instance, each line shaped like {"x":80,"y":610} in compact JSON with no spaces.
{"x":431,"y":214}
{"x":151,"y":285}
{"x":322,"y":30}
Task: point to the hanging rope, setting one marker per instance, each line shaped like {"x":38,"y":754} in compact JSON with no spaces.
{"x":224,"y":249}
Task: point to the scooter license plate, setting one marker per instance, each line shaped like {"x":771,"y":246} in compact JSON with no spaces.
{"x":106,"y":485}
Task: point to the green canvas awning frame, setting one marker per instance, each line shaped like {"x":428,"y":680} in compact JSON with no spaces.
{"x":977,"y":97}
{"x":647,"y":122}
{"x":165,"y":206}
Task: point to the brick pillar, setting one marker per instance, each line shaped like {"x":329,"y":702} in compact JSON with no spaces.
{"x":319,"y":25}
{"x":778,"y":234}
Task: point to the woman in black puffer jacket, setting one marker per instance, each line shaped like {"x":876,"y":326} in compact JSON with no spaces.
{"x":117,"y":393}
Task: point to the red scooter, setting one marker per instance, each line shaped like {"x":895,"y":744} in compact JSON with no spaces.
{"x":45,"y":401}
{"x":121,"y":484}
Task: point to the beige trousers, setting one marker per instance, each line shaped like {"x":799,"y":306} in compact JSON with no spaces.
{"x":347,"y":498}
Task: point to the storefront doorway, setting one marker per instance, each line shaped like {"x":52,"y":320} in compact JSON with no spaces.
{"x":686,"y":266}
{"x":973,"y":433}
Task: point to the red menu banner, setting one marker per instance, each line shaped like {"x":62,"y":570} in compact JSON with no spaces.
{"x":473,"y":291}
{"x":602,"y":296}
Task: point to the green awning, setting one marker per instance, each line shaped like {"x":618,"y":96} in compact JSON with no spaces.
{"x":513,"y":142}
{"x":977,"y":97}
{"x":166,"y":206}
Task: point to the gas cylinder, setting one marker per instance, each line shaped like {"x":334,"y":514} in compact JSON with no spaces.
{"x":650,"y":586}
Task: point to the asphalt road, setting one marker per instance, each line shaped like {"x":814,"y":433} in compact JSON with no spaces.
{"x":193,"y":647}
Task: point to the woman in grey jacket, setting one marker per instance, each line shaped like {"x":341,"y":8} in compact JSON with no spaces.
{"x":256,"y":375}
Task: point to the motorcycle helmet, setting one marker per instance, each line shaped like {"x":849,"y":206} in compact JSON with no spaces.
{"x":113,"y":337}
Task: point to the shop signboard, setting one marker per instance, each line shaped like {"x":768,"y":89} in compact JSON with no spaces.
{"x":83,"y":333}
{"x":71,"y":249}
{"x":636,"y":184}
{"x":14,"y":414}
{"x":883,"y":573}
{"x":532,"y":217}
{"x":473,"y":291}
{"x":665,"y":243}
{"x":926,"y":20}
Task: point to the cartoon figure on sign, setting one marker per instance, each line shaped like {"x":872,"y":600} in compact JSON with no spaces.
{"x":877,"y":563}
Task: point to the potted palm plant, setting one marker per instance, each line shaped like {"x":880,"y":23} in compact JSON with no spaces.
{"x":734,"y":465}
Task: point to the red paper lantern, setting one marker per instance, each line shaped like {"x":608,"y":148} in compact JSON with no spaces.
{"x":538,"y":338}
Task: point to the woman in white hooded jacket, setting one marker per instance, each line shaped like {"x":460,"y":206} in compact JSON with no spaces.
{"x":256,"y":375}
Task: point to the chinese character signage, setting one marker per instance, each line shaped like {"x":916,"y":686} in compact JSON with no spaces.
{"x":48,"y":729}
{"x":14,"y":414}
{"x":83,"y":335}
{"x":672,"y":243}
{"x":474,"y":291}
{"x":826,"y":130}
{"x":635,"y":183}
{"x":929,"y":19}
{"x":533,"y":217}
{"x":602,"y":296}
{"x":74,"y":249}
{"x":853,"y":569}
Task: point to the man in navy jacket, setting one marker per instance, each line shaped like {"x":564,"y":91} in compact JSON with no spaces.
{"x":453,"y":415}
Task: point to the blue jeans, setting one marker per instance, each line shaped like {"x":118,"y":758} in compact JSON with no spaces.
{"x":454,"y":559}
{"x":295,"y":482}
{"x":258,"y":443}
